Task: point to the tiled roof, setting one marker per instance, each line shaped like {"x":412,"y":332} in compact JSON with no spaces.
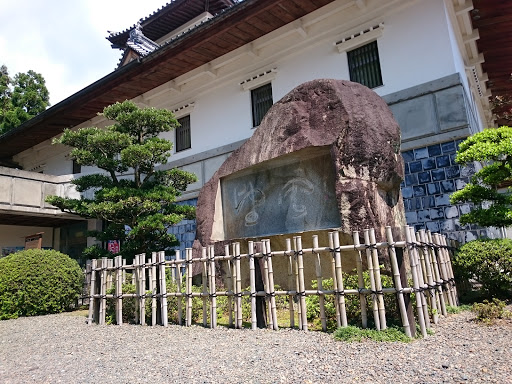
{"x":170,"y":17}
{"x":140,"y":43}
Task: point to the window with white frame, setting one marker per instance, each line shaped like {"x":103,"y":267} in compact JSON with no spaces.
{"x":364,"y":65}
{"x":261,"y":101}
{"x":183,"y":137}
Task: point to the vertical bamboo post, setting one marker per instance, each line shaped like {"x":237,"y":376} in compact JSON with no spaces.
{"x":442,"y":268}
{"x":360,"y":280}
{"x":434,"y":296}
{"x":421,"y":272}
{"x":87,"y":282}
{"x":142,"y":282}
{"x":319,"y":283}
{"x":153,"y":288}
{"x":334,"y":278}
{"x":124,"y":271}
{"x":416,"y":282}
{"x":92,"y":291}
{"x":297,"y":284}
{"x":235,"y":291}
{"x":398,"y":282}
{"x":135,"y":282}
{"x":378,"y":281}
{"x":119,"y":290}
{"x":302,"y":285}
{"x":204,"y":277}
{"x":266,"y":285}
{"x":163,"y":288}
{"x":449,"y":267}
{"x":239,"y":318}
{"x":436,"y":272}
{"x":340,"y":290}
{"x":213,"y":290}
{"x":252,"y":278}
{"x":373,"y":285}
{"x":178,"y":287}
{"x":290,"y":282}
{"x":230,"y":287}
{"x":173,"y":270}
{"x":188,"y":253}
{"x":273,"y":311}
{"x":103,"y":307}
{"x":110,"y":265}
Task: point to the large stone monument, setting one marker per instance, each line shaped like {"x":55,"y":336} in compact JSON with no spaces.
{"x":327,"y":155}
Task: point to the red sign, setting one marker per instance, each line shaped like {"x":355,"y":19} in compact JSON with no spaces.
{"x":114,"y":246}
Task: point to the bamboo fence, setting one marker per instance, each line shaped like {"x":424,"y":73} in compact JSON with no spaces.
{"x":430,"y":272}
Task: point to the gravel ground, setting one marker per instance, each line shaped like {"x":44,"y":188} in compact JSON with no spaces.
{"x":63,"y":349}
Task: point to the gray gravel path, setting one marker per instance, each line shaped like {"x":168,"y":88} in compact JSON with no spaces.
{"x":63,"y":349}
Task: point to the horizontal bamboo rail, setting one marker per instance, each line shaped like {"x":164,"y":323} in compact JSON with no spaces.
{"x":433,"y":283}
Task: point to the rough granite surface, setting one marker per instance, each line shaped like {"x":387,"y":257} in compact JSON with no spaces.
{"x":354,"y":125}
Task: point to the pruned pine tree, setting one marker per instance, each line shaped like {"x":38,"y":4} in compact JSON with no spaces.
{"x":134,"y":195}
{"x":489,"y":189}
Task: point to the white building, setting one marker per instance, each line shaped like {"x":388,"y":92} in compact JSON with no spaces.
{"x":219,"y":65}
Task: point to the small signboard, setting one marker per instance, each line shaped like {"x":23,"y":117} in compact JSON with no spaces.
{"x":114,"y":246}
{"x":34,"y":241}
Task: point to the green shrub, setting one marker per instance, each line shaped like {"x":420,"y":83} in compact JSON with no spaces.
{"x":352,"y":304}
{"x":38,"y":282}
{"x":352,"y":333}
{"x":451,"y":309}
{"x":489,"y":311}
{"x":489,"y":261}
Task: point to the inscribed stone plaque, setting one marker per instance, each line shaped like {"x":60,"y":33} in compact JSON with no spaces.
{"x":286,"y":198}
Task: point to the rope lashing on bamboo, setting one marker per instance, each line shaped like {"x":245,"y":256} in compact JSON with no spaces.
{"x":120,"y":296}
{"x":375,"y":293}
{"x":333,"y":250}
{"x":412,"y":245}
{"x":298,"y":253}
{"x":371,"y":246}
{"x":270,"y":294}
{"x":214,"y":294}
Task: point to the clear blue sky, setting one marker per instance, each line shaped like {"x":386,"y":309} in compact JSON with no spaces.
{"x":64,"y":40}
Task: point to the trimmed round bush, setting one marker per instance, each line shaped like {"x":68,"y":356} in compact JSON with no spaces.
{"x":38,"y":282}
{"x":488,"y":261}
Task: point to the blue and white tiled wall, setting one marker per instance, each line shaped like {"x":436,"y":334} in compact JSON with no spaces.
{"x":185,"y":230}
{"x":431,"y":176}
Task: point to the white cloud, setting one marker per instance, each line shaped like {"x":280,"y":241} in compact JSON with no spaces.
{"x":65,"y":40}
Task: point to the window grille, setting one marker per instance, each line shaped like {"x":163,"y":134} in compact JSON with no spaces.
{"x":183,"y":134}
{"x":364,"y":65}
{"x":77,"y":168}
{"x":261,"y":99}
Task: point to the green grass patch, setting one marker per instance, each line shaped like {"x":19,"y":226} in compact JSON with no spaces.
{"x":461,"y":308}
{"x":352,"y":333}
